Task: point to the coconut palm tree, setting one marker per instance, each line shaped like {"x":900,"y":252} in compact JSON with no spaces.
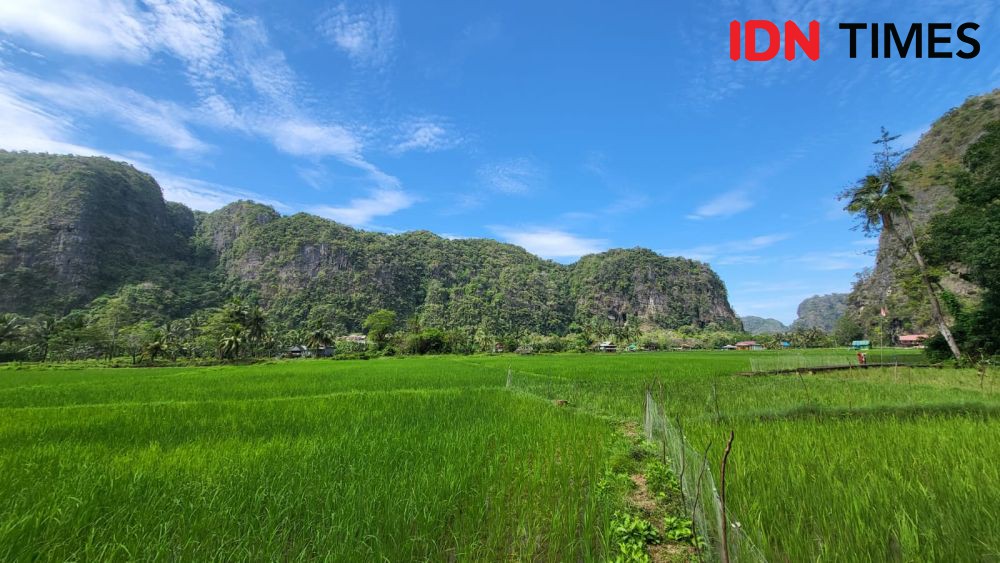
{"x":256,"y":327}
{"x":10,"y":325}
{"x":319,"y":339}
{"x":878,"y":200}
{"x":232,"y":344}
{"x":37,"y":335}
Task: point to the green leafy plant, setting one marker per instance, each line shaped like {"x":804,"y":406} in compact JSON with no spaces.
{"x":678,"y":529}
{"x":632,"y":534}
{"x":661,"y":478}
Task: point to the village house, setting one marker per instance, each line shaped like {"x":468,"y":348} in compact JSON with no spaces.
{"x":749,"y":345}
{"x":912,"y":340}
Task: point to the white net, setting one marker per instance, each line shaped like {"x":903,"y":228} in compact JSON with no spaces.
{"x":698,"y":490}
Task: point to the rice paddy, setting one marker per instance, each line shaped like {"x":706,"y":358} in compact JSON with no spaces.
{"x":468,"y":458}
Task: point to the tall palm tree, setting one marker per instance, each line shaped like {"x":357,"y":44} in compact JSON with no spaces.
{"x":256,"y":327}
{"x":9,"y":327}
{"x":319,"y":339}
{"x":878,"y":200}
{"x":231,"y":344}
{"x":37,"y":334}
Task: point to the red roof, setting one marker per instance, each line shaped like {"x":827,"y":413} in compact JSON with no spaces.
{"x":912,"y":337}
{"x":747,"y":343}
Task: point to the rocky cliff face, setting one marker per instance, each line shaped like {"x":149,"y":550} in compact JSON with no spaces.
{"x":658,"y":291}
{"x":821,"y":311}
{"x":74,"y":228}
{"x":929,"y":172}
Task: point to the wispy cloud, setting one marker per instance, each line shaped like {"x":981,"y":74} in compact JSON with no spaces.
{"x":835,"y":260}
{"x":192,"y":30}
{"x":426,"y":134}
{"x":724,"y":205}
{"x":241,"y":81}
{"x":513,"y":176}
{"x":550,"y":243}
{"x":729,"y":251}
{"x":366,"y":34}
{"x":359,"y":212}
{"x":202,"y":195}
{"x":163,"y":122}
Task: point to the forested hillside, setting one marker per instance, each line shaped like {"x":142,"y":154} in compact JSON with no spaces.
{"x":89,"y":234}
{"x":929,"y":173}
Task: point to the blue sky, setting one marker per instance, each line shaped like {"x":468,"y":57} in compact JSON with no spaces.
{"x":564,"y":127}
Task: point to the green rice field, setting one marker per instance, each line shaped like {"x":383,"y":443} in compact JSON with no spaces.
{"x":477,"y":458}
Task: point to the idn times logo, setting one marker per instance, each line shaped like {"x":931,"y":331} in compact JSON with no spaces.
{"x":877,"y":40}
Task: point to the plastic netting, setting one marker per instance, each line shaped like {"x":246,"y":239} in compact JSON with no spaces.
{"x":699,"y":493}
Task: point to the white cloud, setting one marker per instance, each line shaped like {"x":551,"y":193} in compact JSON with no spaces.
{"x":837,"y":260}
{"x":730,"y":252}
{"x":201,"y":195}
{"x":426,"y":135}
{"x":725,"y":205}
{"x":367,"y":36}
{"x":119,"y":29}
{"x":242,"y":82}
{"x":160,"y":121}
{"x":513,"y":176}
{"x":551,"y":243}
{"x":360,"y":211}
{"x":303,"y":138}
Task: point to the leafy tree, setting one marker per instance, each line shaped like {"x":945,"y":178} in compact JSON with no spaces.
{"x":882,"y":203}
{"x":847,"y":330}
{"x":320,"y":339}
{"x":379,"y":324}
{"x":970,"y":235}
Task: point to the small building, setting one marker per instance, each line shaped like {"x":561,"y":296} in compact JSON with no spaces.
{"x":297,"y":351}
{"x":749,"y":345}
{"x":786,"y":344}
{"x":861,"y":345}
{"x":913,"y":340}
{"x":729,"y":347}
{"x":607,"y":347}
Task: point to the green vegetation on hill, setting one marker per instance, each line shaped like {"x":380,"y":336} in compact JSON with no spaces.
{"x":929,"y":172}
{"x":821,"y":311}
{"x":81,"y":238}
{"x":760,"y":325}
{"x":969,"y":237}
{"x":73,"y":228}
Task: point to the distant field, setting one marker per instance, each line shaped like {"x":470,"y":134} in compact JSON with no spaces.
{"x":436,"y":459}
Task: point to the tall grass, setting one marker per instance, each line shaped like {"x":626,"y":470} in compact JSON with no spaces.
{"x":419,"y":467}
{"x":434,"y":459}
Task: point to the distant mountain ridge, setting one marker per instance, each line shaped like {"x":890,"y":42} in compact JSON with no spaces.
{"x":760,"y":325}
{"x":75,"y":228}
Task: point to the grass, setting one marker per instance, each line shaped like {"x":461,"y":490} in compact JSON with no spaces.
{"x":433,"y":459}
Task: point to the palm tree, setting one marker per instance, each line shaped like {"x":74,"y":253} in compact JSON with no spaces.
{"x":256,"y":327}
{"x":9,"y":326}
{"x":231,"y":344}
{"x":878,"y":200}
{"x":36,"y":335}
{"x":319,"y":339}
{"x":157,"y":346}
